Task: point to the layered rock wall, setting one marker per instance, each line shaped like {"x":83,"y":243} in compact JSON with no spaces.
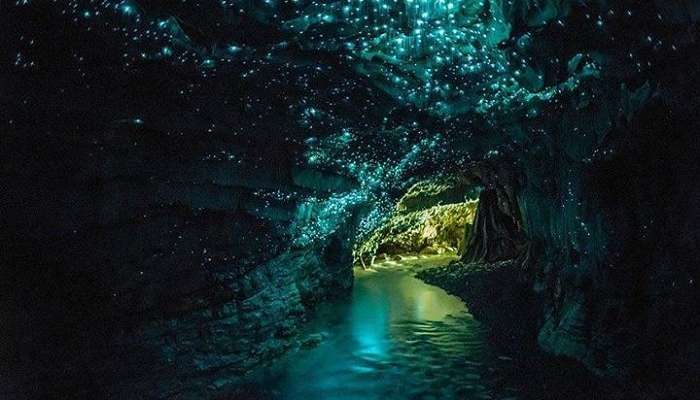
{"x":179,"y":266}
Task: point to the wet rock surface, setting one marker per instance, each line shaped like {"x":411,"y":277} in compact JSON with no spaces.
{"x":496,"y":294}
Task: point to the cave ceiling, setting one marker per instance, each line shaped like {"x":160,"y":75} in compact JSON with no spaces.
{"x":378,"y":91}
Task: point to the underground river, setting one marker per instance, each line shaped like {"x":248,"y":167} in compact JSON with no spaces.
{"x":395,"y":337}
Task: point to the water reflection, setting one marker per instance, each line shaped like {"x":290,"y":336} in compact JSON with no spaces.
{"x":394,"y":338}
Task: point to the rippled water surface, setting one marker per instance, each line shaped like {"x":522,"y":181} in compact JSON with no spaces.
{"x":394,"y":338}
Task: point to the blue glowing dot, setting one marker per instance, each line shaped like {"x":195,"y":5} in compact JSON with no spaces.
{"x":208,"y":63}
{"x":127,"y":9}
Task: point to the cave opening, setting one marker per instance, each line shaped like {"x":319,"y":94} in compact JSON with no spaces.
{"x":432,"y":218}
{"x":473,"y":217}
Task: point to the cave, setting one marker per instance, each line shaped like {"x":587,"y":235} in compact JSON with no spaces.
{"x":342,"y":199}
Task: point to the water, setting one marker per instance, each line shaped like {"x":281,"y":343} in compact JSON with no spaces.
{"x":394,"y":338}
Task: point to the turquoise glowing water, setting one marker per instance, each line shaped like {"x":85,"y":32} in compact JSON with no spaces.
{"x":394,"y":338}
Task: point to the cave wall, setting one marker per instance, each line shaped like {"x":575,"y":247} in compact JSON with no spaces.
{"x":149,"y":237}
{"x":135,"y":248}
{"x":600,"y":190}
{"x":598,"y":261}
{"x":607,"y":265}
{"x":607,"y":204}
{"x":615,"y":275}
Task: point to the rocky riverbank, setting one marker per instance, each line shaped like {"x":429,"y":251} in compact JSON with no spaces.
{"x":496,"y":294}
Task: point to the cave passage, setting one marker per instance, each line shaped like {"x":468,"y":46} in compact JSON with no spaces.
{"x":320,"y":198}
{"x":395,"y":337}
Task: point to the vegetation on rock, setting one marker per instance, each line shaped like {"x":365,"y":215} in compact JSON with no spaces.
{"x":422,"y":223}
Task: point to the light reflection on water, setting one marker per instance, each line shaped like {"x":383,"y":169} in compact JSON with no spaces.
{"x":394,"y":338}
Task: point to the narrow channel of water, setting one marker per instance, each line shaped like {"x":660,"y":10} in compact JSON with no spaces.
{"x":395,"y":337}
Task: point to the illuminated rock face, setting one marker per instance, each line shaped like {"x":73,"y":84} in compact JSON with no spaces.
{"x":435,"y":230}
{"x":434,"y":216}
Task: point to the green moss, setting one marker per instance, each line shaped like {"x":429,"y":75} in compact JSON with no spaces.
{"x":437,"y":229}
{"x":429,"y":193}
